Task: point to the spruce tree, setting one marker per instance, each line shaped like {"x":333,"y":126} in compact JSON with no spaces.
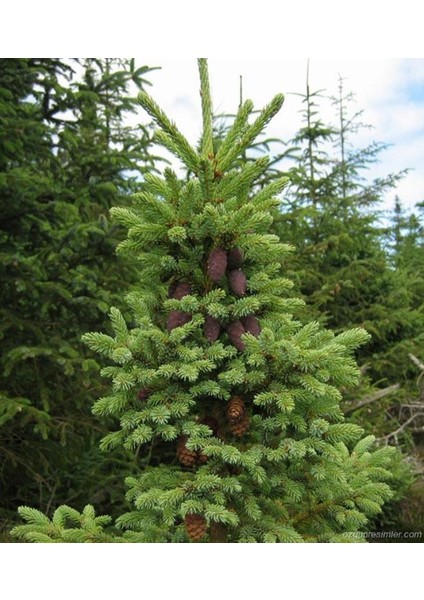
{"x":344,"y":266}
{"x":405,"y":332}
{"x":331,"y":214}
{"x":231,"y":405}
{"x":66,"y":156}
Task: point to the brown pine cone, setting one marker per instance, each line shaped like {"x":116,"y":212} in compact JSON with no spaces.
{"x":235,"y":258}
{"x":195,"y":526}
{"x":211,"y":328}
{"x":144,"y":394}
{"x":240,"y":427}
{"x":177,"y":318}
{"x":237,"y":281}
{"x":202,"y":459}
{"x":218,"y":533}
{"x":235,"y":330}
{"x":236,"y":409}
{"x":179,"y":290}
{"x":217,"y":264}
{"x":251,"y":325}
{"x":187,"y":457}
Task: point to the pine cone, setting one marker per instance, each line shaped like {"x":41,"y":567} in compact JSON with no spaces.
{"x":177,"y":318}
{"x":211,"y":328}
{"x":235,"y":258}
{"x":237,"y":281}
{"x":236,"y":409}
{"x":172,"y":288}
{"x":240,"y":427}
{"x":195,"y":526}
{"x":144,"y":394}
{"x":179,"y":290}
{"x":217,"y":264}
{"x":202,"y":459}
{"x":187,"y":457}
{"x":218,"y":533}
{"x":251,"y":325}
{"x":235,"y":330}
{"x":211,"y":422}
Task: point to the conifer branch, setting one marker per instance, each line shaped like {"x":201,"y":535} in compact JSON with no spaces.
{"x":207,"y":141}
{"x":177,"y":142}
{"x":252,"y":132}
{"x":237,"y":129}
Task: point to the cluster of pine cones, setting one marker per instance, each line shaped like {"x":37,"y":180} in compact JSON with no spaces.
{"x":219,"y":263}
{"x":238,"y":420}
{"x":238,"y":423}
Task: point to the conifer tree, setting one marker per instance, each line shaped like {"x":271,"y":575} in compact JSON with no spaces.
{"x":344,"y":267}
{"x":405,"y":333}
{"x":232,"y":402}
{"x":331,"y":215}
{"x":66,"y":156}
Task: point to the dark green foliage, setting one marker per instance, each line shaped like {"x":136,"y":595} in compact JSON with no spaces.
{"x":330,"y":215}
{"x":351,"y":270}
{"x":65,"y":157}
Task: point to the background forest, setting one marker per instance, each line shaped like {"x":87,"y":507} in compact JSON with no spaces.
{"x":69,"y":152}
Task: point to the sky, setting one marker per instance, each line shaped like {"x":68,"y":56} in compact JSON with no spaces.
{"x":390,"y":92}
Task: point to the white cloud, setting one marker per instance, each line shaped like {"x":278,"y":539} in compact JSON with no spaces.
{"x":382,"y":88}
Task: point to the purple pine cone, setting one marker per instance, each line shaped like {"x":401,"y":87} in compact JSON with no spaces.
{"x":237,"y":281}
{"x":251,"y":325}
{"x":177,"y":318}
{"x":211,"y":328}
{"x":179,"y":291}
{"x":217,"y":264}
{"x":235,"y":330}
{"x":235,"y":258}
{"x":144,"y":394}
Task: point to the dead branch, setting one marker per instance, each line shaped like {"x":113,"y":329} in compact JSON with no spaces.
{"x":364,"y":368}
{"x":416,"y":361}
{"x":394,"y":434}
{"x":371,"y":398}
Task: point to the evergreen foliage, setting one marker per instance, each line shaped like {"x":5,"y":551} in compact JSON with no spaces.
{"x":345,"y":268}
{"x":330,"y":212}
{"x":65,"y":158}
{"x":405,"y":294}
{"x":353,"y":271}
{"x":241,"y":437}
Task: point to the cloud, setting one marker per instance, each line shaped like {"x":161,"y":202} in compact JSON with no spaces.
{"x":390,"y":92}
